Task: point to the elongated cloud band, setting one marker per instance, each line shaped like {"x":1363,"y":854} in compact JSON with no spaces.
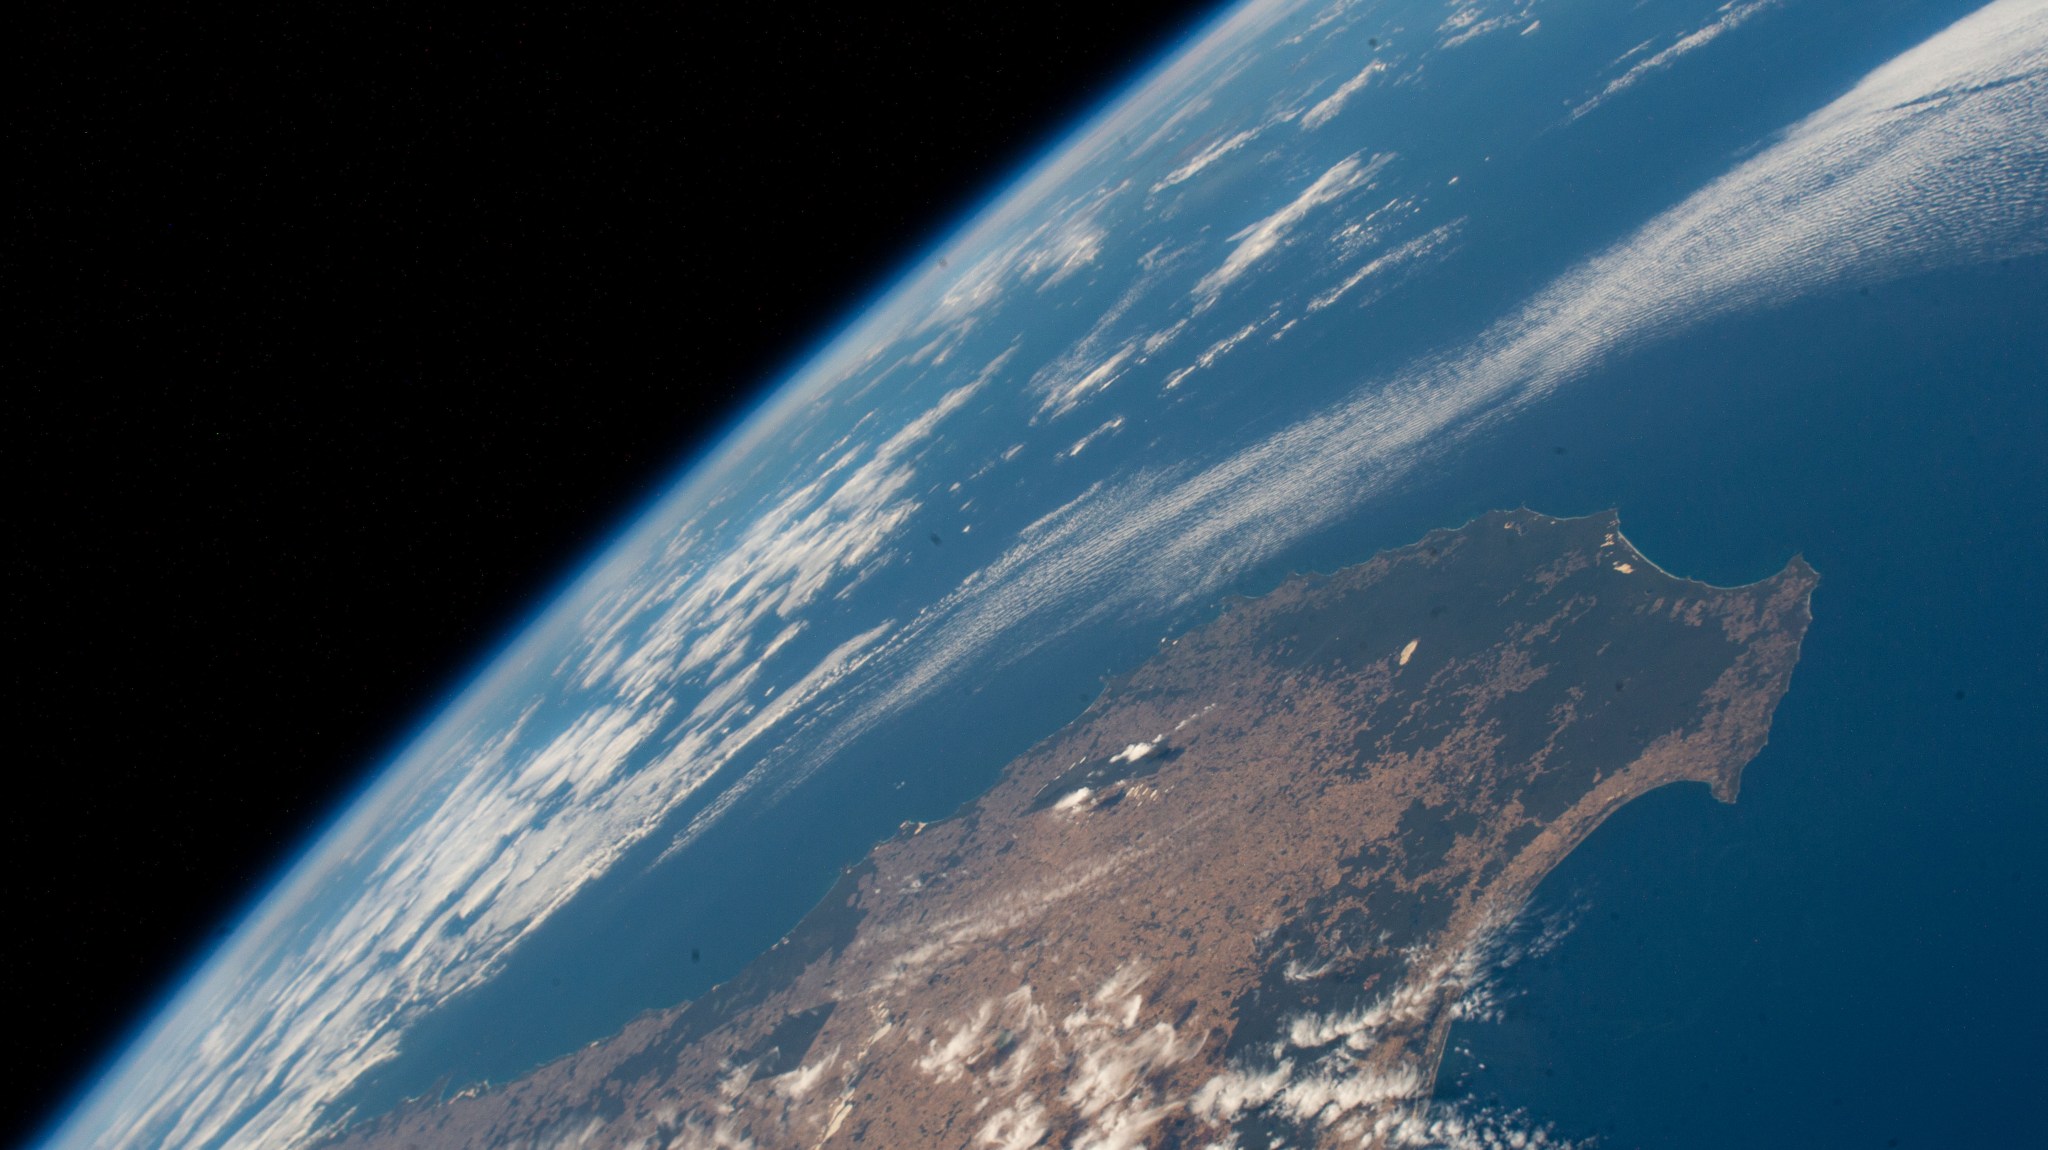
{"x":1935,"y":159}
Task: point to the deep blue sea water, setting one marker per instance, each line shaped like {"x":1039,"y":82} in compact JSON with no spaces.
{"x":1844,"y":957}
{"x":1850,"y":955}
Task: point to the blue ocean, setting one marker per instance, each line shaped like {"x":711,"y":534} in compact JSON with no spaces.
{"x":1814,"y":965}
{"x":1844,"y":957}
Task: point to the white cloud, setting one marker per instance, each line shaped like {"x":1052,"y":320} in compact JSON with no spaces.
{"x":915,"y":948}
{"x":1233,"y":1092}
{"x":1397,"y":258}
{"x":1728,"y":17}
{"x":1326,"y":109}
{"x":1332,"y":1071}
{"x":1468,"y":20}
{"x":1211,"y":354}
{"x":1018,"y":1126}
{"x":1254,"y":243}
{"x":1108,"y":427}
{"x":1066,"y":393}
{"x":1114,"y":1065}
{"x":1328,"y":16}
{"x":1104,"y":1063}
{"x":1204,"y":158}
{"x":1102,"y":354}
{"x":799,"y":1082}
{"x":722,"y":1134}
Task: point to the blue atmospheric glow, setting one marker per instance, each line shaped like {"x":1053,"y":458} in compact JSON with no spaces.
{"x":702,"y":455}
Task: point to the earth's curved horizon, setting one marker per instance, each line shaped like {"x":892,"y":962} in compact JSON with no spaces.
{"x":1765,"y":275}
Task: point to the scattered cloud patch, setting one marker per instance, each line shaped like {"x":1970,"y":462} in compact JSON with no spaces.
{"x":1205,"y":157}
{"x":1728,"y":17}
{"x":1380,"y":267}
{"x":1469,"y":19}
{"x":1259,"y":240}
{"x":1327,"y":108}
{"x":1108,"y":427}
{"x":1331,"y":1074}
{"x":1212,"y":353}
{"x":1134,"y":752}
{"x":1073,"y":799}
{"x":1099,"y":358}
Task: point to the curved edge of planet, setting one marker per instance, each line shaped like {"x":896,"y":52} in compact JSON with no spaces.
{"x":1245,"y":894}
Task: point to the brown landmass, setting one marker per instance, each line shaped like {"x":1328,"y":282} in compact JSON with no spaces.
{"x":1242,"y":898}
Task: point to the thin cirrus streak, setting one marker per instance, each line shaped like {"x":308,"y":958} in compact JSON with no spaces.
{"x":1260,"y":239}
{"x":1327,"y":108}
{"x":1468,"y":21}
{"x":1935,"y":159}
{"x":1730,"y":16}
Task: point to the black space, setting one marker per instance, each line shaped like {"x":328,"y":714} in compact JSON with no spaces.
{"x":341,"y":333}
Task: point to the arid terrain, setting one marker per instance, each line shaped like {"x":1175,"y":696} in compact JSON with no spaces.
{"x":1242,"y":898}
